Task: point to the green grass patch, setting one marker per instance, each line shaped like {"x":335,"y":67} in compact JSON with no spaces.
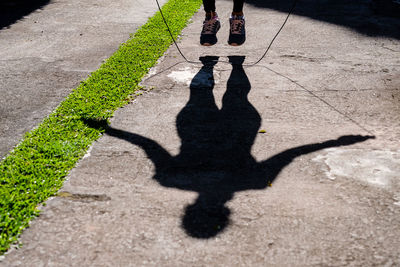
{"x":36,"y":168}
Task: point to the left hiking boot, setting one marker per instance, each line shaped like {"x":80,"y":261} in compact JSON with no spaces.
{"x":237,"y":33}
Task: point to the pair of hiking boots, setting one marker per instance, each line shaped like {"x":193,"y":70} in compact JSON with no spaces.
{"x":211,"y":25}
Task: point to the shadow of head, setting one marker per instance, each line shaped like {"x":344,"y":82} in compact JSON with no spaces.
{"x":206,"y":218}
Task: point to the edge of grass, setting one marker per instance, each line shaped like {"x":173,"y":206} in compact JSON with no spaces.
{"x":36,"y":168}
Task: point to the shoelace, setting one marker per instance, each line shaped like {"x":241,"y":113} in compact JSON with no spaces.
{"x":209,"y":26}
{"x":236,"y":26}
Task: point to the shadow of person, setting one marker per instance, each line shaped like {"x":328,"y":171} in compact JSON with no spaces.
{"x":215,"y":155}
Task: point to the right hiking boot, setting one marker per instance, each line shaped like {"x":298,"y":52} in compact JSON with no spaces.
{"x":208,"y":36}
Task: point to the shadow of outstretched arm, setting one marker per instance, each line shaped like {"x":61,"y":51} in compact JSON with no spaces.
{"x":275,"y":164}
{"x":155,"y":152}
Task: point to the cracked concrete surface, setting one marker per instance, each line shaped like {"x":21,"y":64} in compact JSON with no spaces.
{"x":320,"y":82}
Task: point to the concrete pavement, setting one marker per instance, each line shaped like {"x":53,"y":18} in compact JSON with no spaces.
{"x":186,"y":176}
{"x":45,"y":54}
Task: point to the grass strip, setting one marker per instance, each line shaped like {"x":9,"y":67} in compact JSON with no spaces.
{"x":36,"y":168}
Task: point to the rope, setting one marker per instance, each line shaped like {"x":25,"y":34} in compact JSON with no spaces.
{"x":261,"y":58}
{"x":245,"y":65}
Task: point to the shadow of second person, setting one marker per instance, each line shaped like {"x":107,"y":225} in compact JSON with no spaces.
{"x":215,"y":155}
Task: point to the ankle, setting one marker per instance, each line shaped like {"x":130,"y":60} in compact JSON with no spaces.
{"x":211,"y":14}
{"x":241,"y":14}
